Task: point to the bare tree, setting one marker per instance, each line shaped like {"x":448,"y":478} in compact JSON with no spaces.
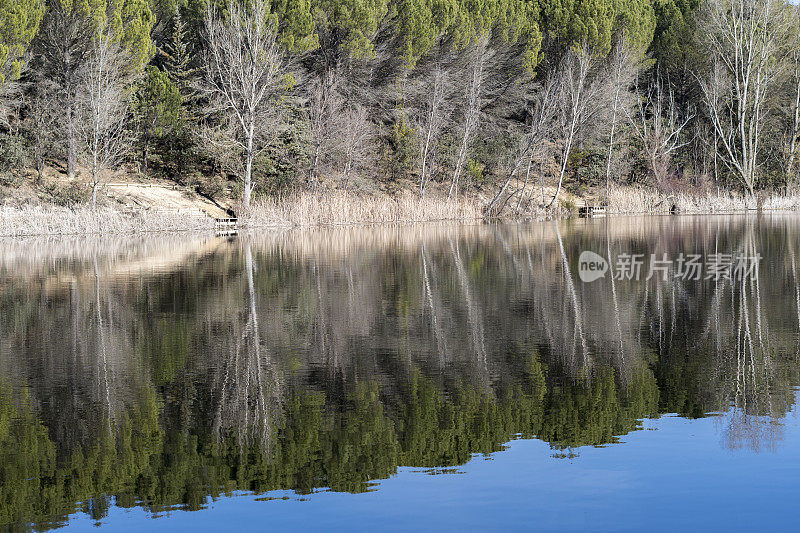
{"x":102,"y":107}
{"x":472,"y":106}
{"x":433,"y":116}
{"x":657,"y":124}
{"x":794,"y":79}
{"x":340,"y":129}
{"x":324,"y":111}
{"x":744,"y":39}
{"x":623,"y":66}
{"x":545,"y":113}
{"x":10,"y":102}
{"x":244,"y":74}
{"x":357,"y":131}
{"x":542,"y":113}
{"x":42,"y":122}
{"x":578,"y":99}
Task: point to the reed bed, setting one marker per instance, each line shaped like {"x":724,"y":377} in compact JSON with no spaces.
{"x":84,"y":220}
{"x":789,"y":202}
{"x":340,"y":208}
{"x":714,"y":203}
{"x":635,"y":200}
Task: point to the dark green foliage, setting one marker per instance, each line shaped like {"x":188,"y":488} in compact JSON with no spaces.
{"x":179,"y":155}
{"x":158,"y":112}
{"x":673,"y":39}
{"x":491,"y":154}
{"x":400,"y":149}
{"x":19,"y":22}
{"x":587,"y":166}
{"x":278,"y":168}
{"x":14,"y":152}
{"x":73,"y":193}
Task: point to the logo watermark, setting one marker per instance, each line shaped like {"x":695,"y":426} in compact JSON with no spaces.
{"x":690,"y":267}
{"x":591,"y":266}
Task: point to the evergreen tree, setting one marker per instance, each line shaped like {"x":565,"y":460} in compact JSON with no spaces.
{"x":19,"y":21}
{"x":179,"y":56}
{"x":179,"y":64}
{"x":69,"y":29}
{"x":637,"y":20}
{"x":587,"y":23}
{"x":157,"y":109}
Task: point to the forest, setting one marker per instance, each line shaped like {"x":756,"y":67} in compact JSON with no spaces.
{"x":516,"y":98}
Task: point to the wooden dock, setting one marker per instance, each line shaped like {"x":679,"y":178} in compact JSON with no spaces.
{"x":226,"y":226}
{"x":591,"y":208}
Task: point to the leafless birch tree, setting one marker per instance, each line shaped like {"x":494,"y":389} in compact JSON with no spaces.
{"x":657,"y":124}
{"x":624,"y":64}
{"x":542,"y":113}
{"x":472,"y":107}
{"x":432,"y":118}
{"x":340,"y":129}
{"x":794,"y":109}
{"x":244,"y":74}
{"x":103,"y":107}
{"x":325,"y":107}
{"x":357,"y":132}
{"x":744,"y":39}
{"x":579,"y":92}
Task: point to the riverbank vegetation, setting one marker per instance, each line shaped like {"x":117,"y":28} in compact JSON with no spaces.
{"x":502,"y":105}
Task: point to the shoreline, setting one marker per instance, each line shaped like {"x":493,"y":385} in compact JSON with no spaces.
{"x":342,"y":209}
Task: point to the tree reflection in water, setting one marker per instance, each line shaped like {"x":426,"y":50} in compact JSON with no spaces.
{"x":162,"y":372}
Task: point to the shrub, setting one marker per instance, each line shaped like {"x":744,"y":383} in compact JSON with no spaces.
{"x":475,"y":170}
{"x":14,"y":152}
{"x":588,"y":166}
{"x":493,"y":153}
{"x":211,"y":186}
{"x":402,"y":149}
{"x":68,"y":195}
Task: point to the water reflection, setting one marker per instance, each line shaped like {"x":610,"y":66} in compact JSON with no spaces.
{"x":166,"y":370}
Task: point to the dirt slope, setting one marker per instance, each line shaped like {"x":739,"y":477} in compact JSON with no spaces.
{"x":162,"y":197}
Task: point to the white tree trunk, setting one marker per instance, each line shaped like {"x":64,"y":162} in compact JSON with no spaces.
{"x":472,"y":111}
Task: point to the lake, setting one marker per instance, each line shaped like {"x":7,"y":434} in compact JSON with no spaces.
{"x":595,"y":374}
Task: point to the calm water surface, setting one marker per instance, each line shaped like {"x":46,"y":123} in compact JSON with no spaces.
{"x":431,"y":377}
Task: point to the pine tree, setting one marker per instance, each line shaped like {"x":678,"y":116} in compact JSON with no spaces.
{"x":157,"y":110}
{"x":568,"y":23}
{"x":19,"y":21}
{"x":69,"y":29}
{"x":178,"y":63}
{"x":637,"y":19}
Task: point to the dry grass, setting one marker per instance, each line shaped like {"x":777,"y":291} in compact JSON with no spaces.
{"x":337,"y":208}
{"x":636,"y":200}
{"x":787,"y":203}
{"x":307,"y":209}
{"x":83,"y":220}
{"x":713,"y":203}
